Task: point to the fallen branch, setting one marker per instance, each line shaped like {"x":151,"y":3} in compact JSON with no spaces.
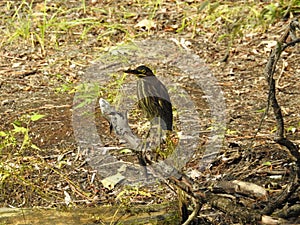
{"x":200,"y":193}
{"x":280,"y":138}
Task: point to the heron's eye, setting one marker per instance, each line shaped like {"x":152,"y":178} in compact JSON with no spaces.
{"x":143,"y":71}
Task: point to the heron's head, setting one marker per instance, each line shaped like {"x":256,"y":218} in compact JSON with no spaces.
{"x":141,"y":71}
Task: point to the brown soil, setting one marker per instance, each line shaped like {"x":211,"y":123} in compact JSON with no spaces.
{"x":29,"y":82}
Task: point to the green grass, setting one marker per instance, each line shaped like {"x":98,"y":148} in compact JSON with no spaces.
{"x":19,"y":137}
{"x":76,"y":34}
{"x":45,"y":25}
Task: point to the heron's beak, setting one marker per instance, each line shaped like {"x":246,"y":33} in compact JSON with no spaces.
{"x":131,"y":71}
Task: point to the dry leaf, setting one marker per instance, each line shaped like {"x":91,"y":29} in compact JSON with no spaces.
{"x":146,"y":24}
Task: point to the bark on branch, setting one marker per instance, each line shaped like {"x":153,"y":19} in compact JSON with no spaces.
{"x":211,"y":193}
{"x":280,"y":138}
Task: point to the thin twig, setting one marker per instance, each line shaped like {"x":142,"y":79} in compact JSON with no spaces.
{"x":280,"y":135}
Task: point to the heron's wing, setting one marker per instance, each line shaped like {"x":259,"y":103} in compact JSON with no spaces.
{"x":154,"y":87}
{"x":154,"y":97}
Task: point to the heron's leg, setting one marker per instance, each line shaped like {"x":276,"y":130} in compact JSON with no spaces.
{"x":161,"y":133}
{"x":142,"y":157}
{"x":155,"y":132}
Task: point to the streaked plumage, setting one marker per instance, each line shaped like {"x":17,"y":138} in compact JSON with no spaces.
{"x":153,"y":96}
